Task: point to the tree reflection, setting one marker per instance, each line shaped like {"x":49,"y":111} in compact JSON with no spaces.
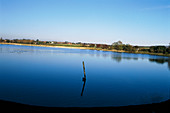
{"x":105,"y":55}
{"x":116,"y":57}
{"x":84,"y":79}
{"x":161,"y":61}
{"x":135,"y":58}
{"x":169,"y":63}
{"x":1,"y":50}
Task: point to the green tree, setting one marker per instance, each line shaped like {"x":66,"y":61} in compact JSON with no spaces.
{"x":117,"y":45}
{"x":15,"y":40}
{"x":47,"y":42}
{"x":168,"y":50}
{"x":160,"y":49}
{"x":37,"y":41}
{"x":1,"y":40}
{"x":152,"y":49}
{"x":128,"y":47}
{"x":157,"y":49}
{"x":8,"y":41}
{"x":135,"y":48}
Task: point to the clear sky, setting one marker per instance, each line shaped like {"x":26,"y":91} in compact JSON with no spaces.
{"x":137,"y":22}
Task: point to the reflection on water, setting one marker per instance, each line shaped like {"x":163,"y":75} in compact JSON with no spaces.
{"x":115,"y":56}
{"x":161,"y":61}
{"x":84,"y":79}
{"x":84,"y":82}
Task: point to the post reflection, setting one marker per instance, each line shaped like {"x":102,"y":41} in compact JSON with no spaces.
{"x":84,"y":79}
{"x":84,"y":82}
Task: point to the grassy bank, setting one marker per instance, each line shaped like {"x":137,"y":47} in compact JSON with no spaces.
{"x":157,"y":54}
{"x":79,"y":46}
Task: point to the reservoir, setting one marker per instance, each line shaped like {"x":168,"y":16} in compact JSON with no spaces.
{"x":52,"y":77}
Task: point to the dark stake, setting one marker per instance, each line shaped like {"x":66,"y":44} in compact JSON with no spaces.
{"x":84,"y":78}
{"x":83,"y":87}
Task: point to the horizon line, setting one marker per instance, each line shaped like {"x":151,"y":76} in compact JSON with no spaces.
{"x":87,"y":42}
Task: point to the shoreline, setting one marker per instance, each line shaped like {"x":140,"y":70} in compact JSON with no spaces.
{"x":86,"y":48}
{"x":162,"y":107}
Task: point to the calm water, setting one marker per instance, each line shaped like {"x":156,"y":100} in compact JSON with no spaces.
{"x":53,"y":77}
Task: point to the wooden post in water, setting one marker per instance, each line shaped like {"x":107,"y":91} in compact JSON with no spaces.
{"x":84,"y":78}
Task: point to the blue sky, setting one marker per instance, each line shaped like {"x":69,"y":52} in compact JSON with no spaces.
{"x":137,"y":22}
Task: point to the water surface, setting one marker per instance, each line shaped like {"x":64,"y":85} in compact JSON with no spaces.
{"x":52,"y":77}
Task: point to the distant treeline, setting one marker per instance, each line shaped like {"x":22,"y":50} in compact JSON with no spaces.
{"x":159,"y":50}
{"x":152,"y":49}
